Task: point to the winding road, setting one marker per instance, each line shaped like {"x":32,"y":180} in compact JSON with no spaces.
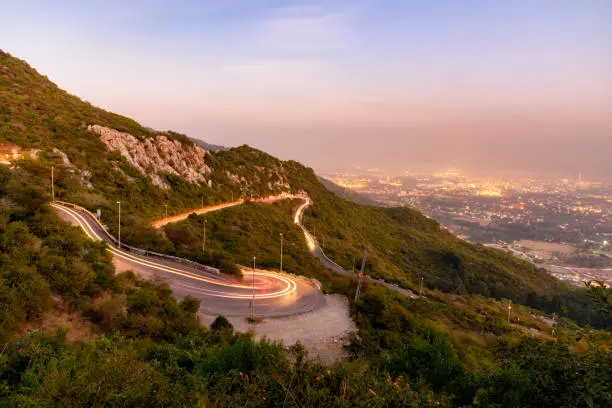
{"x":312,"y":243}
{"x":275,"y":294}
{"x":317,"y":251}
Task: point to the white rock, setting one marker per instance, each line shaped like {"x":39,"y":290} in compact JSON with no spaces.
{"x":155,"y":155}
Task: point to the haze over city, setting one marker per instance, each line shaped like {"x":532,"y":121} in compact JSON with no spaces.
{"x":483,"y":86}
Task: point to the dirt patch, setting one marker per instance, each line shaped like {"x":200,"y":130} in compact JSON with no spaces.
{"x":323,"y":332}
{"x":60,"y":316}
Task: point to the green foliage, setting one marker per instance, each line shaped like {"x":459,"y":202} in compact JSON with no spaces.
{"x":549,"y":374}
{"x":41,"y":256}
{"x":601,"y":295}
{"x":241,"y":232}
{"x":221,"y":323}
{"x":190,"y":305}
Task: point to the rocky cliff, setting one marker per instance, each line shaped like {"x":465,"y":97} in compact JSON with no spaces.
{"x":155,"y":155}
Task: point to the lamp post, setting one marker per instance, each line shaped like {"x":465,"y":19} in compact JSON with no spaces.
{"x":253,"y":301}
{"x":52,"y":184}
{"x":119,"y":223}
{"x":281,"y":260}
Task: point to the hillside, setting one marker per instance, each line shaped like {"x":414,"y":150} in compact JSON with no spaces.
{"x":115,"y":340}
{"x":347,"y":193}
{"x":102,"y":157}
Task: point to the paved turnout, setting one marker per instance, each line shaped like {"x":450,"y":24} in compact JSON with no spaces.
{"x":275,"y":294}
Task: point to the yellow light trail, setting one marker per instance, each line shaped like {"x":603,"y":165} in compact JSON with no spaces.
{"x":289,"y":285}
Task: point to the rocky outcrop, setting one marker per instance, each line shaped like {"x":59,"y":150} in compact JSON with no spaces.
{"x":155,"y":155}
{"x":84,"y":175}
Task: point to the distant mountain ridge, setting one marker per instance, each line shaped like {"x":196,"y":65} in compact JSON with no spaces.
{"x":347,"y":193}
{"x":208,"y":146}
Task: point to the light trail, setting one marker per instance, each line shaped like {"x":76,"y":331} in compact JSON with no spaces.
{"x":297,"y":219}
{"x":288,"y":286}
{"x":160,"y":222}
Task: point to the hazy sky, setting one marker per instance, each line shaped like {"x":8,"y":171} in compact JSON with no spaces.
{"x":486,"y":85}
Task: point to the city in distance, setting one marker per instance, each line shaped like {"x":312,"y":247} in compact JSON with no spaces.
{"x":305,"y":204}
{"x":561,"y":224}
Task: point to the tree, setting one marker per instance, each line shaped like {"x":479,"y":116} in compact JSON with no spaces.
{"x":190,"y":305}
{"x":601,"y":295}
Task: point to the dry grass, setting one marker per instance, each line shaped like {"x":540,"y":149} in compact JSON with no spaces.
{"x":61,"y":316}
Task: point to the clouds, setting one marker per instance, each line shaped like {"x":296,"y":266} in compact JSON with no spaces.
{"x":304,"y":29}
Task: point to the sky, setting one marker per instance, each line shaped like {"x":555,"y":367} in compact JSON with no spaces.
{"x":485,"y":86}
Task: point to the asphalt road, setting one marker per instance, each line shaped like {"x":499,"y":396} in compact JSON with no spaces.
{"x":315,"y":249}
{"x":275,"y":294}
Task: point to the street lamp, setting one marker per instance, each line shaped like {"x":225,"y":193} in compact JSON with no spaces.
{"x":52,"y":184}
{"x":119,"y":222}
{"x":281,"y":261}
{"x":253,"y":301}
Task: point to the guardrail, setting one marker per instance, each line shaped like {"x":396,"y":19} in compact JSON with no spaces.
{"x":139,"y":251}
{"x":317,"y":245}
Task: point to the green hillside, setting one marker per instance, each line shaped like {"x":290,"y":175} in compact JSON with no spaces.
{"x":72,"y":333}
{"x":403,"y":245}
{"x":347,"y":193}
{"x":125,"y":342}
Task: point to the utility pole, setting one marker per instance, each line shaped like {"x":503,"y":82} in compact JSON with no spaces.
{"x":363,"y":262}
{"x":204,"y":238}
{"x":52,"y":184}
{"x":202,"y":201}
{"x":119,"y":222}
{"x":281,"y":260}
{"x":253,"y":301}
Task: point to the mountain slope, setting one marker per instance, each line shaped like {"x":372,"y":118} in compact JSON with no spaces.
{"x":95,"y":170}
{"x":110,"y":340}
{"x":346,"y":193}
